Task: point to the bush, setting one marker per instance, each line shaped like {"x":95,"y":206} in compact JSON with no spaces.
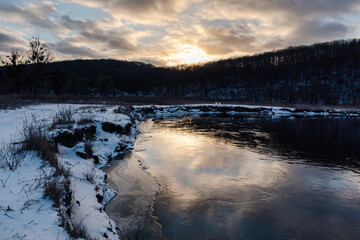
{"x":11,"y":156}
{"x":86,"y":120}
{"x":33,"y":134}
{"x":64,"y":116}
{"x":35,"y":140}
{"x":54,"y":191}
{"x":90,"y":176}
{"x":79,"y":231}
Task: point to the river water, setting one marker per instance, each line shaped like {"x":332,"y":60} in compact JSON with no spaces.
{"x":221,"y":177}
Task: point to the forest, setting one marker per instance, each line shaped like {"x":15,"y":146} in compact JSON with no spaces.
{"x":322,"y":73}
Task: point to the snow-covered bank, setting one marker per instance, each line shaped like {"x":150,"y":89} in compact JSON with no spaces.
{"x":25,"y":212}
{"x":245,"y":110}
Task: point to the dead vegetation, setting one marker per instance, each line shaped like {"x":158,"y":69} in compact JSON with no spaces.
{"x":90,"y":176}
{"x":34,"y":139}
{"x":11,"y":156}
{"x":85,"y":120}
{"x":65,"y":115}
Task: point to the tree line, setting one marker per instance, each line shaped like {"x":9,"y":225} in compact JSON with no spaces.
{"x":21,"y":72}
{"x":323,"y":73}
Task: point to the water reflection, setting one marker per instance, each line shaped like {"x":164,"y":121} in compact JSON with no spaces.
{"x":333,"y":141}
{"x":231,"y":178}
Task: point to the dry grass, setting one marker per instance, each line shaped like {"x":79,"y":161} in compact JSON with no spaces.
{"x":11,"y":156}
{"x":64,"y":116}
{"x":34,"y":139}
{"x":85,"y":120}
{"x":90,"y":176}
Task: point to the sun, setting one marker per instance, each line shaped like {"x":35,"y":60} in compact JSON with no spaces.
{"x":188,"y":55}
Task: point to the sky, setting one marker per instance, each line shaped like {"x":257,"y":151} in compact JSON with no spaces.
{"x":172,"y":32}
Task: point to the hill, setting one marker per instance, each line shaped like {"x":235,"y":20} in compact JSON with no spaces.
{"x":323,"y":73}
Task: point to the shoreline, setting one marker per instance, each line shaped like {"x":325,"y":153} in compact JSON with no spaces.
{"x":136,"y":188}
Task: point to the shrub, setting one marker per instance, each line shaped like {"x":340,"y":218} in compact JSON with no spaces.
{"x":79,"y":231}
{"x":33,"y":134}
{"x":64,"y":116}
{"x":53,"y":190}
{"x":90,"y":176}
{"x":86,"y":120}
{"x":11,"y":156}
{"x":35,"y":140}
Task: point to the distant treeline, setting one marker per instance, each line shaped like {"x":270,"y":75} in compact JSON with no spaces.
{"x":324,"y":73}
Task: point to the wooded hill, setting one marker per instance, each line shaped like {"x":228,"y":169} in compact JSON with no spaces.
{"x":323,"y":73}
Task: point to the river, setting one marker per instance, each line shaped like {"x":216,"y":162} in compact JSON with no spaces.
{"x":222,"y":177}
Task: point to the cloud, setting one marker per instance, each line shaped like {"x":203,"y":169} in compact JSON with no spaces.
{"x":264,"y":9}
{"x":280,"y":23}
{"x":31,"y":15}
{"x":156,"y":12}
{"x":224,"y":40}
{"x":161,"y":31}
{"x":97,"y":33}
{"x":10,"y":40}
{"x":70,"y":50}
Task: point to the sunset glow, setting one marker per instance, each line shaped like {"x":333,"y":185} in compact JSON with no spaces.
{"x":188,"y":55}
{"x":172,"y":32}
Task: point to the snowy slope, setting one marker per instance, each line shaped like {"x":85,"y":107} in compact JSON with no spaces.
{"x":24,"y":212}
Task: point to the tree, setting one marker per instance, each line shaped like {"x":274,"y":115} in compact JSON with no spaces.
{"x":38,"y":55}
{"x":14,"y":63}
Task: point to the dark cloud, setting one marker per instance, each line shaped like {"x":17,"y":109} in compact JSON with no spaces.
{"x":67,"y":48}
{"x":33,"y":15}
{"x":8,"y":42}
{"x":322,"y":30}
{"x":93,"y":32}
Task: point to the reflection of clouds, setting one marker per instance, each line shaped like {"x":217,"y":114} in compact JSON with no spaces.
{"x":197,"y":164}
{"x":210,"y":186}
{"x":217,"y":189}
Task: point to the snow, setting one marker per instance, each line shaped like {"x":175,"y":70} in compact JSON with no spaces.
{"x":257,"y":110}
{"x":25,"y":213}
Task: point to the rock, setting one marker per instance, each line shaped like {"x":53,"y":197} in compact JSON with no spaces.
{"x":69,"y":138}
{"x":82,"y":155}
{"x":99,"y":198}
{"x":96,"y":159}
{"x":112,"y":127}
{"x":148,"y":110}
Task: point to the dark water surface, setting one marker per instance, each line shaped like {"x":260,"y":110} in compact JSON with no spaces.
{"x":254,"y":178}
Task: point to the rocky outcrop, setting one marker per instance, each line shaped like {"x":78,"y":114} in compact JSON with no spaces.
{"x":112,"y":127}
{"x":69,"y":138}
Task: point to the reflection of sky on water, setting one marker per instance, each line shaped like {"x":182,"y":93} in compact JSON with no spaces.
{"x":215,"y":189}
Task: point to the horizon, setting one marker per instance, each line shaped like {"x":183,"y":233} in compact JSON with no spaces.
{"x":170,"y":33}
{"x":203,"y":62}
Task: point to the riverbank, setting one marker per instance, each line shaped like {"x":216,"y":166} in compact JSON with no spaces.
{"x":58,"y":190}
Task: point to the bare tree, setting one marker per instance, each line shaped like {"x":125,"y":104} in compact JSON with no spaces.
{"x":38,"y":55}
